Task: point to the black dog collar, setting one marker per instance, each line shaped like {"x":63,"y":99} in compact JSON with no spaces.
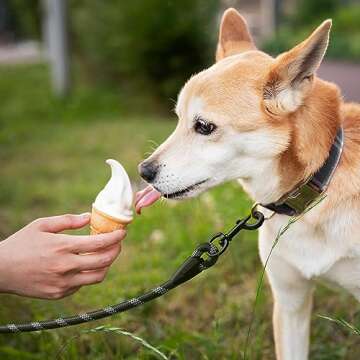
{"x":296,"y":201}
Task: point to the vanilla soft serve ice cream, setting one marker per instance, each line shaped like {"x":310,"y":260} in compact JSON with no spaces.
{"x":112,"y":208}
{"x":116,"y":198}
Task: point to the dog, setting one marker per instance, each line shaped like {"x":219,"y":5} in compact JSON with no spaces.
{"x":270,"y":123}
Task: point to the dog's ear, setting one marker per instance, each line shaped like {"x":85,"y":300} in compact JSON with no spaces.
{"x":234,"y":36}
{"x":291,"y":76}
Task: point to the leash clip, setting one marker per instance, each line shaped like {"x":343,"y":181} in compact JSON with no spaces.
{"x":221,"y":241}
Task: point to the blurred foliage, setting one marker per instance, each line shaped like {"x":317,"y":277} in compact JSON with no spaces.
{"x":154,"y":43}
{"x":345,"y":33}
{"x":25,"y":17}
{"x":309,"y":12}
{"x":157,"y":44}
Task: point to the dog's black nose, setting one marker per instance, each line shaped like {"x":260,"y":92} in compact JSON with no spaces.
{"x":148,"y":170}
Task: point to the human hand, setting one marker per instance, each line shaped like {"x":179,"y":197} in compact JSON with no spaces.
{"x":38,"y":262}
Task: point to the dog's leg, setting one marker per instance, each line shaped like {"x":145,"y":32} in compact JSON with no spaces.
{"x":291,"y":317}
{"x":292,"y":295}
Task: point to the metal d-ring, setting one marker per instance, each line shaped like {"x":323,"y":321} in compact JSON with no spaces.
{"x":253,"y":209}
{"x":258,"y":216}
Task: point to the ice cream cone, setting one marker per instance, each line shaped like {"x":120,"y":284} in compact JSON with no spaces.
{"x":101,"y":223}
{"x":112,"y":208}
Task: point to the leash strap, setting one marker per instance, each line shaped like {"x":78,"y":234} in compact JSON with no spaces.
{"x":296,"y":201}
{"x":204,"y":256}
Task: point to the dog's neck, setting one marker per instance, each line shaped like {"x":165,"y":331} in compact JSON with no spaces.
{"x":314,"y":128}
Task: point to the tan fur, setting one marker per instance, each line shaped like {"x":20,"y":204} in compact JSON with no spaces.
{"x":311,"y":126}
{"x":313,"y":129}
{"x":234,"y":36}
{"x":243,"y":75}
{"x":346,"y":182}
{"x":294,"y":70}
{"x":275,"y":123}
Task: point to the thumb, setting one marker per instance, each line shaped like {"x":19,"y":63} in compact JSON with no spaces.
{"x":59,"y":223}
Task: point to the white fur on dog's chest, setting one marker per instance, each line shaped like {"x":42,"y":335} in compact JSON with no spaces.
{"x":312,"y":250}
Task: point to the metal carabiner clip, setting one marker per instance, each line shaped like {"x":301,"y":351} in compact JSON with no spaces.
{"x":223,"y":243}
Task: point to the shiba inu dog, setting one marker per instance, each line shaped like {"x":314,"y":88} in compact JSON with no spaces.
{"x":271,"y":124}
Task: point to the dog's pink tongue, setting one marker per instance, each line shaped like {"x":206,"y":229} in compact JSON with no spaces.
{"x":146,"y":198}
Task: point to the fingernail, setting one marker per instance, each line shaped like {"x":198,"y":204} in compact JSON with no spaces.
{"x":122,"y":232}
{"x":85,"y":214}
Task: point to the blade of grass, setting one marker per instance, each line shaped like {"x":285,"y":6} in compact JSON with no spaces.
{"x":343,"y":323}
{"x":123,"y":332}
{"x":116,"y":330}
{"x":260,"y":283}
{"x":62,"y":348}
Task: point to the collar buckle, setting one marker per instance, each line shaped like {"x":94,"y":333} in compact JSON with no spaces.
{"x":302,"y":197}
{"x":298,"y":200}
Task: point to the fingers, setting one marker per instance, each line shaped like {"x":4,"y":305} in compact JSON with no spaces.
{"x":99,"y":260}
{"x":71,"y":291}
{"x":93,"y":243}
{"x":88,"y":278}
{"x":57,"y":293}
{"x":59,"y":223}
{"x":80,"y":270}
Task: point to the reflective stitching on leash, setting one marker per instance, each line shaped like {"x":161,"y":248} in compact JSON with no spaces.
{"x":160,"y":290}
{"x":85,"y":317}
{"x":37,"y":325}
{"x":135,"y":301}
{"x":61,"y":322}
{"x":109,"y":310}
{"x":13,"y":328}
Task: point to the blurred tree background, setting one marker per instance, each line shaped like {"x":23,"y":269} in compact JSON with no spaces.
{"x":151,"y":47}
{"x":308,"y":14}
{"x":150,"y":42}
{"x":23,"y":17}
{"x":155,"y":44}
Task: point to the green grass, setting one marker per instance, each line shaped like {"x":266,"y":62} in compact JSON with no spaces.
{"x":52,"y":156}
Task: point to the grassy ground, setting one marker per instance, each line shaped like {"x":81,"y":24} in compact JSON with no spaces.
{"x":52,"y":161}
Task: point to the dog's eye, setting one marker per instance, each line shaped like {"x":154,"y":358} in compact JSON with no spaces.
{"x":204,"y":127}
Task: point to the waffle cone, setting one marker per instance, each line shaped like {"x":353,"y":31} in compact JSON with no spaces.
{"x":101,"y":223}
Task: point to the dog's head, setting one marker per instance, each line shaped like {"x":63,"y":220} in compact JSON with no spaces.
{"x":236,"y":117}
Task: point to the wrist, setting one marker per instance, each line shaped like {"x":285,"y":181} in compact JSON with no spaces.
{"x":5,"y":271}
